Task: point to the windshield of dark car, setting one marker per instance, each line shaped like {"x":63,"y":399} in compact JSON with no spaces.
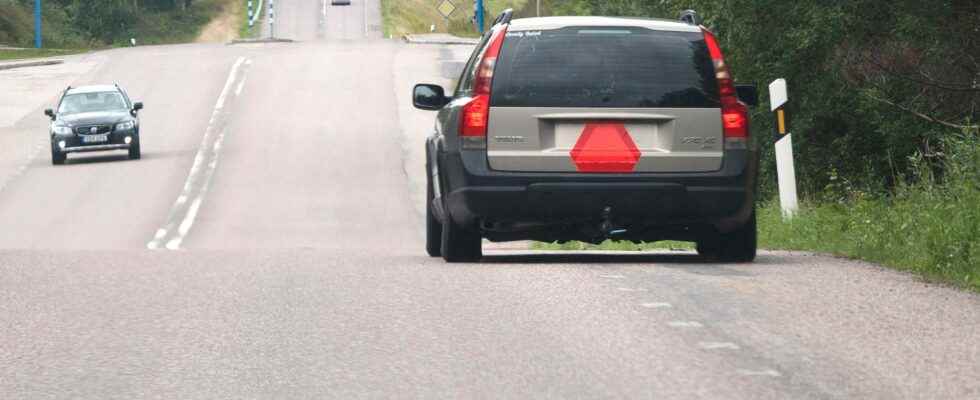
{"x":92,"y":102}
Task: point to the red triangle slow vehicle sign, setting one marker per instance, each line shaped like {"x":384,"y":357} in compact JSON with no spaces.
{"x":605,"y":146}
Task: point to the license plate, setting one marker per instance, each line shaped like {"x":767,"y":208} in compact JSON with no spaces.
{"x":95,"y":138}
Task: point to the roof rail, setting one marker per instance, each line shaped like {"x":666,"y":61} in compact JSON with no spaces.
{"x":505,"y":17}
{"x":690,"y":17}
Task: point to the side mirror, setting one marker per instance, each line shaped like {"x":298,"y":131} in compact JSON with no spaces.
{"x":137,"y":106}
{"x":429,"y":97}
{"x":50,"y":113}
{"x":748,"y":94}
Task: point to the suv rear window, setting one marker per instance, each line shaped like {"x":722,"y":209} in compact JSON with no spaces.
{"x":605,"y":67}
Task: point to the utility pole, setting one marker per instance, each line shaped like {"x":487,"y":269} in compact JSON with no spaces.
{"x":539,"y":8}
{"x":37,"y":24}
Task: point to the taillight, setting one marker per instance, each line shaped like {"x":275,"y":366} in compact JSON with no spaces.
{"x":476,"y":113}
{"x":734,"y":114}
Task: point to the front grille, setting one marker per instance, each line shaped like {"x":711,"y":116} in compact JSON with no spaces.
{"x":99,"y":129}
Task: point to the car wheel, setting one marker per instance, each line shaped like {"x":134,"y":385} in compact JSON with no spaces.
{"x":433,"y":228}
{"x":57,"y":157}
{"x":737,"y":246}
{"x":134,"y":149}
{"x":459,"y":244}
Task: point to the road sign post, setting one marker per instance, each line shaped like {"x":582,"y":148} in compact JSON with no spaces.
{"x":250,"y":20}
{"x":478,"y":4}
{"x":446,"y":8}
{"x":785,"y":169}
{"x":37,"y":24}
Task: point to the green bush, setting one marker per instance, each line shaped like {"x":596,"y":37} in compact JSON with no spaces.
{"x":930,"y":226}
{"x":98,"y":23}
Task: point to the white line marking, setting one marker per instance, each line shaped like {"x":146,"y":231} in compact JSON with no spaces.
{"x":195,"y":174}
{"x":241,"y":85}
{"x":656,"y":305}
{"x":684,"y":324}
{"x":718,"y":346}
{"x":765,"y":372}
{"x":228,"y":83}
{"x":612,"y":276}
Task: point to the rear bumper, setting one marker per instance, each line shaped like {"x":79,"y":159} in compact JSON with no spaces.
{"x":652,"y":206}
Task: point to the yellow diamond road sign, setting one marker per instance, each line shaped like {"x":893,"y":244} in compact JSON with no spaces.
{"x":446,"y":8}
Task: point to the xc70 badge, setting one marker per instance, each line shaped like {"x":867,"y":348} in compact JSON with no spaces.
{"x":510,"y":139}
{"x":705,"y":142}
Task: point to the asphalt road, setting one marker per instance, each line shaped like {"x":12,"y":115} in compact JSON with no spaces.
{"x":270,"y":245}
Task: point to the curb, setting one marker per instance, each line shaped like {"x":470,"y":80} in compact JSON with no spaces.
{"x":254,"y":41}
{"x":442,"y":40}
{"x":22,"y":64}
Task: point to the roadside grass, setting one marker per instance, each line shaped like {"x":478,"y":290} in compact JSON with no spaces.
{"x":402,"y":17}
{"x":615,"y":246}
{"x":27,"y":54}
{"x":927,"y":227}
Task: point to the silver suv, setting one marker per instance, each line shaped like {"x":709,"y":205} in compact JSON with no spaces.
{"x":592,"y":129}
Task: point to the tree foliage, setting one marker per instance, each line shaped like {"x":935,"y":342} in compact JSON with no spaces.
{"x":70,"y":23}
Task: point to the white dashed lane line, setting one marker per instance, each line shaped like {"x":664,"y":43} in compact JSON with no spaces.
{"x":689,"y":324}
{"x":718,"y":346}
{"x":764,"y":372}
{"x":656,"y":305}
{"x":685,"y":324}
{"x":182,"y":215}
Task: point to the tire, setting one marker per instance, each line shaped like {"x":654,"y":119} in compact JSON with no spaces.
{"x":458,"y":244}
{"x":58,"y":157}
{"x":134,"y":149}
{"x":738,"y":246}
{"x":433,"y":228}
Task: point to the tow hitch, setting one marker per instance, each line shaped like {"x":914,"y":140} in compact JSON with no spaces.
{"x":607,"y":228}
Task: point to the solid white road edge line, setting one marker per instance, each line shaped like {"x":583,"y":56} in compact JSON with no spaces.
{"x":195,"y":173}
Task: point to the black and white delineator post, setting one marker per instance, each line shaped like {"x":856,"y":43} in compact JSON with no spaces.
{"x":250,"y":19}
{"x":785,"y":171}
{"x":272,"y":19}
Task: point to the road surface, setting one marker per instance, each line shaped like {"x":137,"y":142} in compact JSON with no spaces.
{"x":270,"y":245}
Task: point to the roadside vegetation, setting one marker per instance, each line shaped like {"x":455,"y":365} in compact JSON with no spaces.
{"x":246,"y":32}
{"x":74,"y":24}
{"x":21,"y":54}
{"x":402,"y":17}
{"x":884,"y":105}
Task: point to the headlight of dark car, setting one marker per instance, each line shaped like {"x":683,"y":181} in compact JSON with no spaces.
{"x":60,"y":130}
{"x":125,"y":126}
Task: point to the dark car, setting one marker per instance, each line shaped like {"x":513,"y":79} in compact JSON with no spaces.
{"x":592,"y":129}
{"x":94,"y":118}
{"x":340,"y":2}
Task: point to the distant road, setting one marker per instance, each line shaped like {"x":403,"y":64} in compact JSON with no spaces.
{"x":287,"y":177}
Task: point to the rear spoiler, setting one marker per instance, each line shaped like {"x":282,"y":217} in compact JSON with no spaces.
{"x":690,"y":17}
{"x":504,"y":17}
